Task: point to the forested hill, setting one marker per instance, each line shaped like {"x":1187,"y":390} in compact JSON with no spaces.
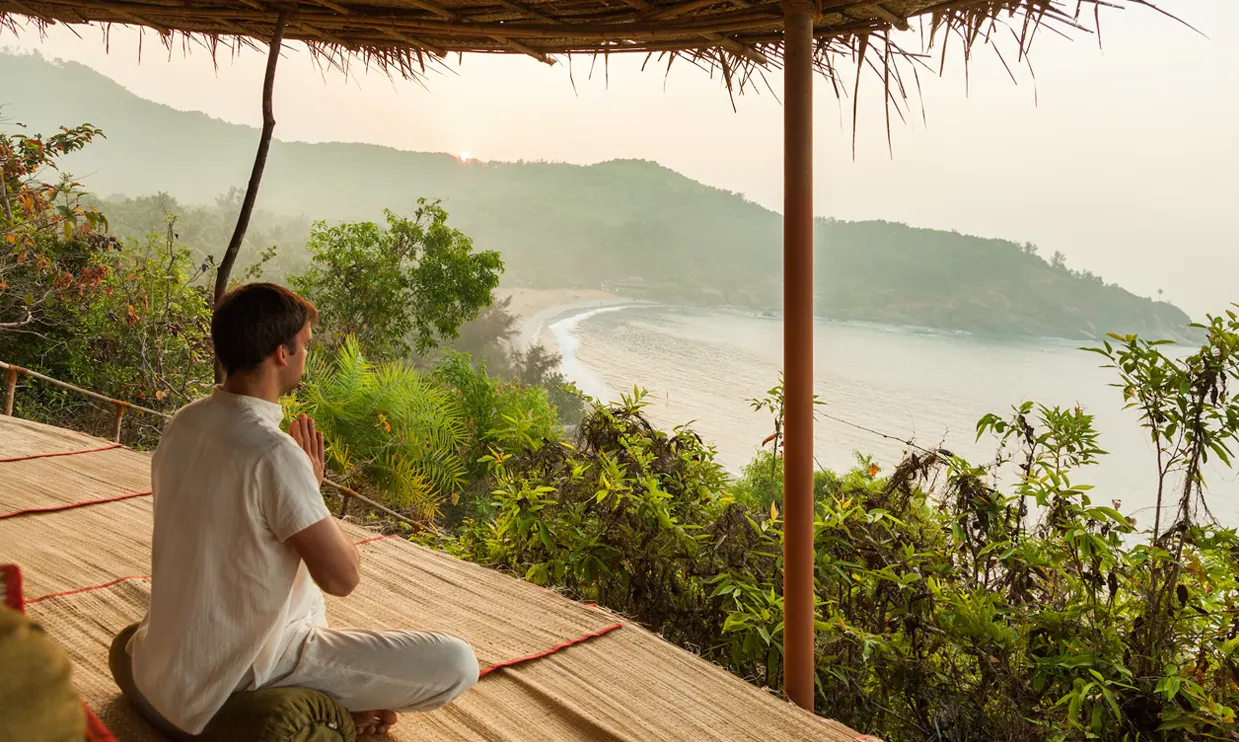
{"x":633,"y":226}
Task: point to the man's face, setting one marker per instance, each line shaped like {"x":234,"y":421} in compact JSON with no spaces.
{"x":294,"y":360}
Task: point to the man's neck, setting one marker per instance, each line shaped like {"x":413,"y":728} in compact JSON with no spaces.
{"x":262,"y":386}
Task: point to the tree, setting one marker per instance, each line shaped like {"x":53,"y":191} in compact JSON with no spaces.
{"x":49,"y":243}
{"x":1058,"y":261}
{"x":397,"y":290}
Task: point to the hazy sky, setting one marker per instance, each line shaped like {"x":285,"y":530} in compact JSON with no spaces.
{"x":1125,"y":158}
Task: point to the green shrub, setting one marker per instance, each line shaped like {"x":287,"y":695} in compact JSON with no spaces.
{"x":392,"y":433}
{"x":948,"y":609}
{"x":761,"y":482}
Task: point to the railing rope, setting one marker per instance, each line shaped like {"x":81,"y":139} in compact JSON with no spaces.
{"x":346,"y":494}
{"x":14,"y":370}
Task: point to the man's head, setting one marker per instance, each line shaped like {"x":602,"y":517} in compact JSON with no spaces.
{"x":261,"y":329}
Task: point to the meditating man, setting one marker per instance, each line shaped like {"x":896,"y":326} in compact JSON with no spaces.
{"x":243,"y":542}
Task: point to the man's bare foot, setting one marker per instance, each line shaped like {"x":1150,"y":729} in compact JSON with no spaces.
{"x":373,"y":722}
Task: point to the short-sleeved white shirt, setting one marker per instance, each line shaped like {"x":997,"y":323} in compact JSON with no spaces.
{"x":228,"y":596}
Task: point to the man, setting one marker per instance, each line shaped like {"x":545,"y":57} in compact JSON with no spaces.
{"x":243,"y":543}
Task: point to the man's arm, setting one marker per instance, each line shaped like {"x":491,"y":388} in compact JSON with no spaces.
{"x":332,"y":560}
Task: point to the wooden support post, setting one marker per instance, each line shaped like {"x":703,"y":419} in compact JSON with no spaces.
{"x":260,"y":162}
{"x":798,"y":506}
{"x":10,"y":390}
{"x":120,"y":417}
{"x":345,"y":499}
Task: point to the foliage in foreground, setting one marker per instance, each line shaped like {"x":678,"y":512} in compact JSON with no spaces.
{"x":123,"y":318}
{"x":948,"y":608}
{"x":391,"y":432}
{"x":410,"y":439}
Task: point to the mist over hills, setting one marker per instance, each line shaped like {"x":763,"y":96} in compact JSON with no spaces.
{"x":634,"y":227}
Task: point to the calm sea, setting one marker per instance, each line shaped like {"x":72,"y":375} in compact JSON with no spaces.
{"x":929,"y":387}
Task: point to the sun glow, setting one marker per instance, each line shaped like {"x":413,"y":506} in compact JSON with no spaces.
{"x":465,"y":156}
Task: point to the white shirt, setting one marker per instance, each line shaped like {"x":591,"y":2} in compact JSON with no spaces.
{"x":228,"y":596}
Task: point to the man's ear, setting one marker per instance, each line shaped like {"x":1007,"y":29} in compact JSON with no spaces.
{"x":281,"y":355}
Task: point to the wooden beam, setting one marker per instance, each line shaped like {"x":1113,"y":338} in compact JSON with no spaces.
{"x":799,"y":593}
{"x":640,"y":5}
{"x":27,"y":10}
{"x":740,"y":50}
{"x":523,"y":49}
{"x":526,"y":10}
{"x":680,"y":9}
{"x":320,"y":33}
{"x":333,"y":6}
{"x":437,"y":10}
{"x":224,"y":271}
{"x":438,"y":51}
{"x":886,"y":15}
{"x":647,"y":30}
{"x":135,"y":18}
{"x":756,"y":17}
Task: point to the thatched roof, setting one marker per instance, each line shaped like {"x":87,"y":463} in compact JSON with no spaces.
{"x":737,"y":36}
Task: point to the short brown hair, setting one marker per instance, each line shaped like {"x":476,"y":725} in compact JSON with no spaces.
{"x":253,"y":320}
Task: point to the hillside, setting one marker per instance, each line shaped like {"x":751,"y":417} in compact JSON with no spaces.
{"x":635,"y":226}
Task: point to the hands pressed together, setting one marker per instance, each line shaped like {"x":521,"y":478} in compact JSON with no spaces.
{"x":311,"y":441}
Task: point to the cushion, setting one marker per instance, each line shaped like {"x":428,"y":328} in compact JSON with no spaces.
{"x":11,"y":596}
{"x":269,"y":715}
{"x":39,"y":700}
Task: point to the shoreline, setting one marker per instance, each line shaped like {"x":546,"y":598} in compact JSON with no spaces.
{"x":537,"y":310}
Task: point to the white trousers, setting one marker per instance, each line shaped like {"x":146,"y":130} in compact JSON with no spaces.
{"x":369,"y":670}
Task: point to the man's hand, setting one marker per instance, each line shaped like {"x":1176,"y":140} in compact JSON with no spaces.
{"x":311,"y":441}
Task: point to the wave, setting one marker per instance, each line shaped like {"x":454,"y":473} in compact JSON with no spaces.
{"x":571,"y":367}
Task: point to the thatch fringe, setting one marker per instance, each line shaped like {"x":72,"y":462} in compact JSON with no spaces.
{"x":397,"y":33}
{"x":740,"y":39}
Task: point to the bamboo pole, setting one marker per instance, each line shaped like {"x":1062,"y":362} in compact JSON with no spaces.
{"x":260,"y":162}
{"x":346,"y":492}
{"x":10,"y":390}
{"x":120,"y":418}
{"x":798,"y":506}
{"x":14,"y":370}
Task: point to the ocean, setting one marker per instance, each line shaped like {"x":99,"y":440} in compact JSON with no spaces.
{"x":702,"y":366}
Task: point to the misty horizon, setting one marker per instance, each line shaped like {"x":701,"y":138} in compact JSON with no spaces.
{"x":1117,"y":158}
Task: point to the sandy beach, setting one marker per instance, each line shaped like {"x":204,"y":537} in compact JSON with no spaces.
{"x":538,"y":309}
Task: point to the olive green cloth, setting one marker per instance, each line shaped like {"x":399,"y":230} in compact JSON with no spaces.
{"x":270,"y":715}
{"x":39,"y":703}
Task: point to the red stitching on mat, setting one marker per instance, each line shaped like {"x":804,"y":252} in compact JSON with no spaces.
{"x":552,"y":650}
{"x":95,"y":730}
{"x":70,"y":506}
{"x":482,"y":674}
{"x":130,"y":577}
{"x":62,"y":453}
{"x":86,"y":589}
